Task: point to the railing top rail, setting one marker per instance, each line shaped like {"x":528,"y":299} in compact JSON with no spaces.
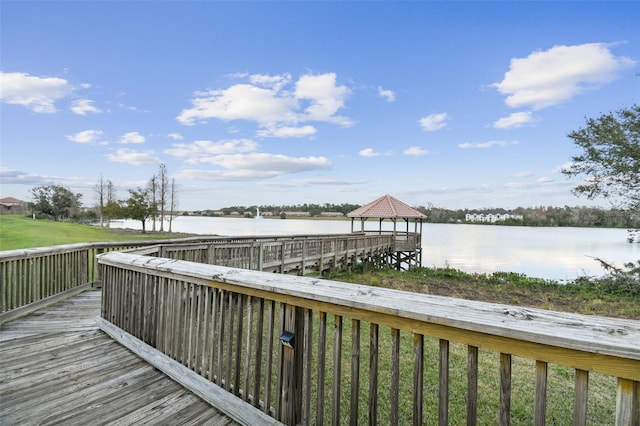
{"x":6,"y":255}
{"x":584,"y":333}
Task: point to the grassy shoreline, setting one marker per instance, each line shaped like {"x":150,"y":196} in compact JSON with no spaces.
{"x":18,"y":232}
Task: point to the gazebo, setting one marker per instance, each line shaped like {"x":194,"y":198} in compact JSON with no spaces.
{"x":408,"y":244}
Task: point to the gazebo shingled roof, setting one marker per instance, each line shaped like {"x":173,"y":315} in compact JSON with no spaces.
{"x":387,"y":207}
{"x":407,"y":248}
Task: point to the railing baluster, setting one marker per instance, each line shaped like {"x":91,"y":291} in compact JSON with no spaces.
{"x":271,"y":307}
{"x":250,"y":338}
{"x":322,"y":357}
{"x":229,"y":342}
{"x":628,"y":403}
{"x":259,"y":336}
{"x":240,"y":302}
{"x":540,"y":415}
{"x":505,"y":389}
{"x":355,"y":371}
{"x":580,"y":398}
{"x":373,"y":374}
{"x":472,"y":385}
{"x":307,"y":366}
{"x":443,"y":383}
{"x":337,"y":369}
{"x":418,"y":378}
{"x":221,"y":338}
{"x":394,"y":388}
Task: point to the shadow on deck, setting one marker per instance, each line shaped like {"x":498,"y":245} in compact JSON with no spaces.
{"x":57,"y":366}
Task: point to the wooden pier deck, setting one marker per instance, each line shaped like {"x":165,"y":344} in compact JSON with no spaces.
{"x":58,"y":367}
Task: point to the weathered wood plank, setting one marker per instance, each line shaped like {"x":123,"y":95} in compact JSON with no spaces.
{"x":77,"y":374}
{"x":206,"y":390}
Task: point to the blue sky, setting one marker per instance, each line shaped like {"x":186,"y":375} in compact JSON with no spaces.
{"x":450,"y":104}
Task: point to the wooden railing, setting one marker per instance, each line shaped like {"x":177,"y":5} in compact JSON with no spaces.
{"x":31,"y":278}
{"x":289,"y":255}
{"x":315,"y":351}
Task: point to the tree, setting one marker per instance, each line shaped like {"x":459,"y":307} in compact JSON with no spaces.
{"x":112,"y":207}
{"x":55,"y":201}
{"x":173,"y":203}
{"x":152,"y":191}
{"x":139,"y":206}
{"x":163,"y":192}
{"x":610,"y":159}
{"x":100,"y":189}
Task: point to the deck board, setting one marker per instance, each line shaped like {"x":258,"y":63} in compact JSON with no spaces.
{"x":57,"y":367}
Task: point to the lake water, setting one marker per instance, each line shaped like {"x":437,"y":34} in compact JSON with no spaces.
{"x":552,"y":253}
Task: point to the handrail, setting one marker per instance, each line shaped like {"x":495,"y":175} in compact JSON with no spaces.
{"x":231,"y":325}
{"x":34,"y":277}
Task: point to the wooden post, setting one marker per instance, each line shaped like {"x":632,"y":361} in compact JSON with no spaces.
{"x":292,"y":367}
{"x":628,"y":403}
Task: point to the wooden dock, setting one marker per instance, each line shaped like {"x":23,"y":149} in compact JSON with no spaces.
{"x":58,"y":367}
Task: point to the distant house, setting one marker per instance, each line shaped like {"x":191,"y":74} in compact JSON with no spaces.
{"x":492,"y":216}
{"x":296,"y":214}
{"x":331,"y":214}
{"x":10,"y":205}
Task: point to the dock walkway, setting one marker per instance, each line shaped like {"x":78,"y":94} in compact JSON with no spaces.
{"x":58,"y":367}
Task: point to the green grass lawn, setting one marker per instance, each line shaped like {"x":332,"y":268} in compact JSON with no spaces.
{"x":17,"y":232}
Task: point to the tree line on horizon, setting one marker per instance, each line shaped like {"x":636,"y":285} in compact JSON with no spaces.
{"x":579,"y":216}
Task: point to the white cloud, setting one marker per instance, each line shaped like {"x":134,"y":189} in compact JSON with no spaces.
{"x":369,"y":152}
{"x":286,"y":132}
{"x":133,"y":157}
{"x":203,"y":148}
{"x":175,"y":136}
{"x":86,"y":136}
{"x":550,"y":77}
{"x":524,"y":174}
{"x":485,"y":145}
{"x":296,"y":183}
{"x":325,"y":98}
{"x":516,"y":119}
{"x":433,"y":122}
{"x":272,"y":103}
{"x":254,"y":165}
{"x":83,"y":106}
{"x":132,"y":137}
{"x":275,"y":82}
{"x":415,"y":151}
{"x":39,"y":94}
{"x":389,"y":95}
{"x":12,"y":176}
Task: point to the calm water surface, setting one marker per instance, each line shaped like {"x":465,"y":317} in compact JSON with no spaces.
{"x":552,"y":253}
